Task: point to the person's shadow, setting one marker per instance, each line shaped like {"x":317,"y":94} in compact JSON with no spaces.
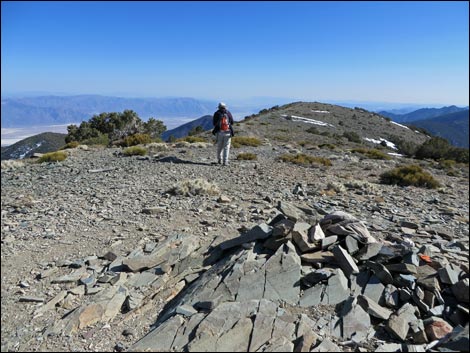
{"x":176,"y":160}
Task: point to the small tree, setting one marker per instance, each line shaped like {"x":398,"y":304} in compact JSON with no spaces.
{"x":195,"y":130}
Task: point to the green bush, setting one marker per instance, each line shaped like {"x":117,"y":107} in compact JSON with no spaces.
{"x":409,"y":175}
{"x":135,"y":151}
{"x":407,"y":148}
{"x":439,"y":148}
{"x":434,"y":148}
{"x":303,"y":159}
{"x":352,"y":136}
{"x":247,"y":156}
{"x":239,"y":141}
{"x":372,"y":153}
{"x":57,"y":156}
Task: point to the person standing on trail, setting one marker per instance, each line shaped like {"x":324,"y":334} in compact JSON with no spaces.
{"x":222,"y":122}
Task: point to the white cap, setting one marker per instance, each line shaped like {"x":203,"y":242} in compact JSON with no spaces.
{"x":222,"y":105}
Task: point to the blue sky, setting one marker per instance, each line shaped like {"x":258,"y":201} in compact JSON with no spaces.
{"x":410,"y":52}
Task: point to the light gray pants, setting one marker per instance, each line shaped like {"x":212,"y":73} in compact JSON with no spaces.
{"x":223,"y":146}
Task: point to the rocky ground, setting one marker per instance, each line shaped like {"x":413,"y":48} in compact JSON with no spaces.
{"x":100,"y":249}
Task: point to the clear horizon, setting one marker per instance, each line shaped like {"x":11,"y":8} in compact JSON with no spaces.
{"x":395,"y":52}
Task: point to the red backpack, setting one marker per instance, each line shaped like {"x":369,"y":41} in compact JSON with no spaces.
{"x":224,"y":123}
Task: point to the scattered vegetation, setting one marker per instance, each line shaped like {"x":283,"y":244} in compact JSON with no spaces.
{"x":135,"y":151}
{"x":371,"y":153}
{"x":191,"y":187}
{"x":57,"y":156}
{"x":409,"y":175}
{"x":247,"y":156}
{"x":239,"y":141}
{"x":303,"y":159}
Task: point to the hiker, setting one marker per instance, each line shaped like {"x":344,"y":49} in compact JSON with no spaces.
{"x":223,"y":131}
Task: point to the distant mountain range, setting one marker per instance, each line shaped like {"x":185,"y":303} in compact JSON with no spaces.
{"x":454,"y":127}
{"x":50,"y":110}
{"x":421,"y":114}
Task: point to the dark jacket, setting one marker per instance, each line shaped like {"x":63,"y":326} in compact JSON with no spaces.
{"x":216,"y":120}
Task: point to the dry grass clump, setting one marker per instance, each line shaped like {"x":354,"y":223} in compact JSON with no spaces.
{"x":239,"y":141}
{"x":409,"y":175}
{"x":12,"y":164}
{"x":191,"y":187}
{"x":135,"y":151}
{"x":72,"y":144}
{"x":303,"y":159}
{"x":155,"y":147}
{"x":57,"y":156}
{"x":372,"y":153}
{"x":247,"y":156}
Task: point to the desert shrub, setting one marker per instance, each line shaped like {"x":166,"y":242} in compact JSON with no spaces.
{"x":303,"y":159}
{"x":407,"y":148}
{"x":446,"y":164}
{"x":409,"y":175}
{"x":352,"y":136}
{"x":247,"y":156}
{"x":325,"y":133}
{"x":458,"y":154}
{"x":135,"y":151}
{"x":191,"y":187}
{"x":371,"y":153}
{"x":313,"y":130}
{"x":191,"y":139}
{"x":72,"y":144}
{"x":434,"y":148}
{"x":57,"y":156}
{"x":239,"y":141}
{"x":136,"y":139}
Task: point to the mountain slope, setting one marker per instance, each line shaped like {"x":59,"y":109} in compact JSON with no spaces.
{"x":183,"y":130}
{"x":319,"y":123}
{"x":42,"y":143}
{"x":454,"y":127}
{"x":421,"y":114}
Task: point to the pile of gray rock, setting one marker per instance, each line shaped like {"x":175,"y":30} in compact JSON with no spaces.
{"x":396,"y":296}
{"x":286,"y":285}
